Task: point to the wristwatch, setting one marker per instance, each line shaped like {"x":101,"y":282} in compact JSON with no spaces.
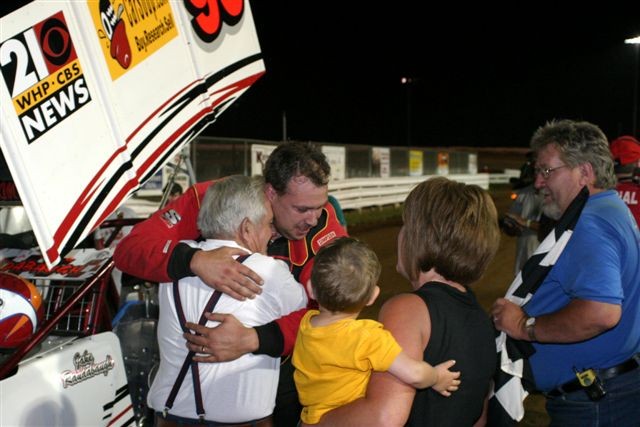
{"x":530,"y":327}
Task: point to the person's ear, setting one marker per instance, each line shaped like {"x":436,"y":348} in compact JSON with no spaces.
{"x":246,"y":227}
{"x":310,"y":290}
{"x":374,"y":295}
{"x":587,"y":175}
{"x":270,"y":192}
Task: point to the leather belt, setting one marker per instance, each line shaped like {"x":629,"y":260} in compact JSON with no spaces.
{"x":162,"y":422}
{"x":603,"y":374}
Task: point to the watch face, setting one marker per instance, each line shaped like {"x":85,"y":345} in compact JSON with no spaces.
{"x":530,"y":321}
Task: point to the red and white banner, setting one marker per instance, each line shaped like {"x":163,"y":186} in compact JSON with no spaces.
{"x":97,"y":95}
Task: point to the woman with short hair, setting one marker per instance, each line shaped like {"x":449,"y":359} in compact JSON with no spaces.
{"x":449,"y":237}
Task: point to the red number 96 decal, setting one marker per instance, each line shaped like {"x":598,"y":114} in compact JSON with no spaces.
{"x":208,"y":16}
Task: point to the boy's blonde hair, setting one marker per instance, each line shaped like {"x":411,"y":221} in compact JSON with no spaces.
{"x":344,"y":276}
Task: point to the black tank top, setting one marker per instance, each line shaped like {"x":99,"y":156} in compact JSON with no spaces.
{"x":460,"y":330}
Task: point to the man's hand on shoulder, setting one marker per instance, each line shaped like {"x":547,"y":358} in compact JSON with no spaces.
{"x":227,"y":341}
{"x":218,"y":269}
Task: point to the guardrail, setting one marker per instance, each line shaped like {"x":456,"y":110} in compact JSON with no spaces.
{"x":358,"y":193}
{"x":505,"y":177}
{"x":367,"y":192}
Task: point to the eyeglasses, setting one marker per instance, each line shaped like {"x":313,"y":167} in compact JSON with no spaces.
{"x":546,"y":172}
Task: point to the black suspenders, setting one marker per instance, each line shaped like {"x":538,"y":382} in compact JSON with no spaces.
{"x":188,"y":360}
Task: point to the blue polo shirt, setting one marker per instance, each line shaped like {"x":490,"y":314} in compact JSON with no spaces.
{"x":601,"y":262}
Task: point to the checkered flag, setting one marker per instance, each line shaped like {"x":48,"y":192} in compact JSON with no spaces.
{"x":513,"y":378}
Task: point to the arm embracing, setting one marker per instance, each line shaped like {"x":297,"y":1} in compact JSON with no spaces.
{"x":153,"y":251}
{"x":146,"y":251}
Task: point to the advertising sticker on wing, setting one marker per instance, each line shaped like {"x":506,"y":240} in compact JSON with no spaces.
{"x":43,"y":76}
{"x":130,"y":31}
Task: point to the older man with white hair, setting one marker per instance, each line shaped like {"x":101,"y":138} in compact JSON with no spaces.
{"x":234,"y":213}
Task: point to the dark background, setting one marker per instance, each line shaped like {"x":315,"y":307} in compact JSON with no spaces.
{"x":482,"y":76}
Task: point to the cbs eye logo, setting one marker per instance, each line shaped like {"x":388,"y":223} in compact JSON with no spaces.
{"x":208,"y":16}
{"x":33,"y":55}
{"x":41,"y":70}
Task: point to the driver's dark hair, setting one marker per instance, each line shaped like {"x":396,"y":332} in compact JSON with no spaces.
{"x":291,"y":159}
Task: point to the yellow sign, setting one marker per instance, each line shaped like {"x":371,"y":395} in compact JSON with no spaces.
{"x":131,"y":31}
{"x":415,"y":162}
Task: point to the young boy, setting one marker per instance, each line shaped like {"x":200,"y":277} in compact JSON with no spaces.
{"x":334,"y":353}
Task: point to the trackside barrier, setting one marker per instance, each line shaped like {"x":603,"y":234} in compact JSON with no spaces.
{"x":360,"y":193}
{"x":505,"y":177}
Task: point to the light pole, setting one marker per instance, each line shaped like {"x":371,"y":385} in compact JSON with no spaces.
{"x":408,"y":82}
{"x":636,"y":42}
{"x":285,"y":137}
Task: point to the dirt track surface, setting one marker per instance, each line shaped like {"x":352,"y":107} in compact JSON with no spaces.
{"x":492,"y":285}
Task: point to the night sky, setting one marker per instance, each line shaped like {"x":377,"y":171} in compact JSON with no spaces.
{"x":480,"y":76}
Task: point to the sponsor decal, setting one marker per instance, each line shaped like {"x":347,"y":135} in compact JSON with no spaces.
{"x":131,"y":30}
{"x":328,"y":237}
{"x":77,"y":265}
{"x":86,"y":368}
{"x":170,"y":218}
{"x":629,"y":197}
{"x":43,"y":75}
{"x":208,"y":16}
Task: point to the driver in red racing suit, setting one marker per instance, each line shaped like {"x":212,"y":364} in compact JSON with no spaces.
{"x":296,"y":176}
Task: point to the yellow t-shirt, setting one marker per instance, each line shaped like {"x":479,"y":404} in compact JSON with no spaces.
{"x":334,"y":362}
